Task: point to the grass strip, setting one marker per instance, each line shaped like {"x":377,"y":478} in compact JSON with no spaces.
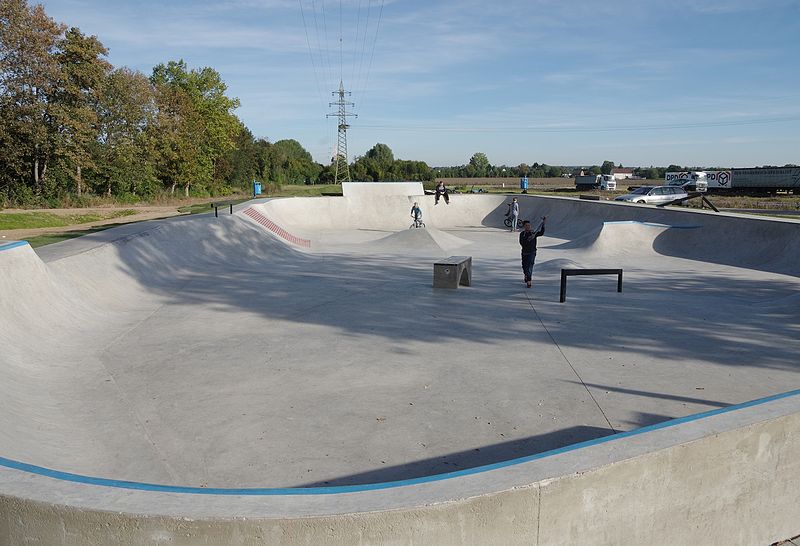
{"x":33,"y":220}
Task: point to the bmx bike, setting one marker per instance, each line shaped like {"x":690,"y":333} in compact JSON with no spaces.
{"x":508,"y":221}
{"x":418,"y":223}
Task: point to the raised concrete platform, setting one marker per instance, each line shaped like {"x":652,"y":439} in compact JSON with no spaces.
{"x":452,"y":271}
{"x":210,"y":354}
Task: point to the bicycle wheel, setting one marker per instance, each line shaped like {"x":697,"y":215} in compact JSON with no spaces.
{"x":507,"y":222}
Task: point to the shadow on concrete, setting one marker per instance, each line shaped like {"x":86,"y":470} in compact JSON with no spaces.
{"x":650,"y":394}
{"x":462,"y":460}
{"x":236,"y":267}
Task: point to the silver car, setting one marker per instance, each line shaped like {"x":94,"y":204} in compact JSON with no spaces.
{"x":657,"y":195}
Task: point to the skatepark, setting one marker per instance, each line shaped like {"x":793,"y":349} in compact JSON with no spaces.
{"x":287,"y":374}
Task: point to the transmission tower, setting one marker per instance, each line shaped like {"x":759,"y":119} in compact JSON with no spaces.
{"x":342,"y":169}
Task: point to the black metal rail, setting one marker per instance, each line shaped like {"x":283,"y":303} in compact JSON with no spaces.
{"x":573,"y":272}
{"x":216,"y":207}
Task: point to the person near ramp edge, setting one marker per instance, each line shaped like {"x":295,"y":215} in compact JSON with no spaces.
{"x":441,"y":191}
{"x":527,"y":240}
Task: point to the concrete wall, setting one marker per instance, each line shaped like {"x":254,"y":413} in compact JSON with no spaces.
{"x":766,"y":244}
{"x":729,"y":477}
{"x":358,"y":189}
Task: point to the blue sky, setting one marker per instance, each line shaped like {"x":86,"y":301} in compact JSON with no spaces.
{"x":639,"y":82}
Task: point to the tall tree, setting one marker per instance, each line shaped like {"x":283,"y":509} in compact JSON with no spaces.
{"x":125,"y":155}
{"x":76,"y":100}
{"x":607,"y":167}
{"x":29,"y":75}
{"x":480,"y":164}
{"x":196,"y":104}
{"x":291,"y":163}
{"x":178,"y":132}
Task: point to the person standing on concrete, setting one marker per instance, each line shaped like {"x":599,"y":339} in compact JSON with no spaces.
{"x":527,"y":240}
{"x":514,"y":212}
{"x":441,"y":191}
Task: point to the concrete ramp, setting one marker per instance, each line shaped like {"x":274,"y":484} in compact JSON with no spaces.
{"x":303,"y":216}
{"x":418,"y":242}
{"x":607,"y":227}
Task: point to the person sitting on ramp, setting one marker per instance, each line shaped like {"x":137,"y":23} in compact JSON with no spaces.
{"x":441,"y":191}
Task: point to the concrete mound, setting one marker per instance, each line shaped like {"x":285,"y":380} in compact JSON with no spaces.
{"x":556,"y":265}
{"x":418,"y":241}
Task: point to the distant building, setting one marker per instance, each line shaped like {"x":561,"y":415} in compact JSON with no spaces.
{"x":622,"y":174}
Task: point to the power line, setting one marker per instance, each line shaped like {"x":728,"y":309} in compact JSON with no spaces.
{"x":341,"y":45}
{"x":311,"y":54}
{"x":327,"y":42}
{"x":325,"y":68}
{"x":372,"y":56}
{"x":355,"y":46}
{"x":535,"y":129}
{"x":363,"y":50}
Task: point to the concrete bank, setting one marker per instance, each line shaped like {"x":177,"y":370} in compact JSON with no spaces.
{"x":725,"y":477}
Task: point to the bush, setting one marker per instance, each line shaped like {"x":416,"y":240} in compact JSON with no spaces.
{"x":128,"y":198}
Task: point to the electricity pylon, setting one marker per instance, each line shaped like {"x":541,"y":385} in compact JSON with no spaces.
{"x":342,"y":169}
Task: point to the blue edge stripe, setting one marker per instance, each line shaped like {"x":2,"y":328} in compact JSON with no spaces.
{"x":12,"y":244}
{"x":77,"y":478}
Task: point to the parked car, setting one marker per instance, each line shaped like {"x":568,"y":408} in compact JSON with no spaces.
{"x":654,"y":195}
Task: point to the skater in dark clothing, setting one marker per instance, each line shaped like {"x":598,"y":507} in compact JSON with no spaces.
{"x":441,"y":191}
{"x":527,"y":240}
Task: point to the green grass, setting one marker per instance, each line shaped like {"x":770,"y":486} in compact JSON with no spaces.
{"x":307,"y":191}
{"x":33,"y":220}
{"x":50,"y":238}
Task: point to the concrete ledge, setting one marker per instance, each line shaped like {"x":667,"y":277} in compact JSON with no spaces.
{"x":723,"y":477}
{"x":452,"y":272}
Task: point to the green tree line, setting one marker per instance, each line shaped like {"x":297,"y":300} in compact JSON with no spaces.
{"x":72,"y":125}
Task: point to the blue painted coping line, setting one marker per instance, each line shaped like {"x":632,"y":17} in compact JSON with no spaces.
{"x":12,"y":244}
{"x":334,"y":490}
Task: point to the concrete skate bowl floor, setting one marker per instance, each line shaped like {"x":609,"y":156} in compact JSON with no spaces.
{"x":206,"y":353}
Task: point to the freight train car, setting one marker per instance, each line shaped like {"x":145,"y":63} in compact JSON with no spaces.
{"x":757,"y":181}
{"x":765,"y":180}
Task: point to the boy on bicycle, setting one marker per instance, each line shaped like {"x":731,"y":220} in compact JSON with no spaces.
{"x":416,"y":213}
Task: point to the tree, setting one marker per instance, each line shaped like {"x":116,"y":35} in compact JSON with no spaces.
{"x":75,"y":102}
{"x":291,"y":163}
{"x":240,"y":165}
{"x":29,"y":73}
{"x":377,"y":162}
{"x":126,"y":153}
{"x":200,"y":118}
{"x":177,"y":133}
{"x":382,"y":154}
{"x":607,"y":167}
{"x":480,"y":164}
